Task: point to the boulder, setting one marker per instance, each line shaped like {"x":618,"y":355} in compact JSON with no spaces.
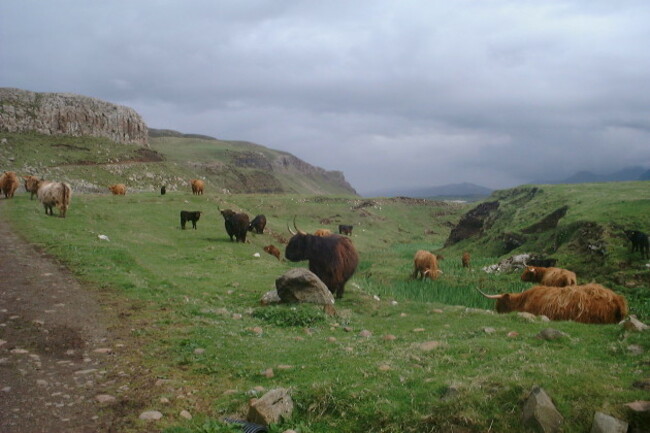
{"x":271,"y":407}
{"x":607,"y":424}
{"x":302,"y":285}
{"x":539,"y":412}
{"x":634,"y":324}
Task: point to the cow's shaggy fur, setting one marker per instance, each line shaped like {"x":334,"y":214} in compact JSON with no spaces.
{"x":322,"y":232}
{"x":53,"y":194}
{"x":236,"y":225}
{"x":466,"y":260}
{"x":549,"y":276}
{"x":197,"y":186}
{"x":425,"y":265}
{"x":273,"y":250}
{"x":589,"y":303}
{"x":258,"y":224}
{"x":9,"y":183}
{"x":118,"y":189}
{"x":31,"y":185}
{"x":190,"y":216}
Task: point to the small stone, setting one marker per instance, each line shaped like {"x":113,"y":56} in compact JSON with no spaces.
{"x":634,"y":324}
{"x":365,"y":333}
{"x":2,"y":342}
{"x":199,"y":351}
{"x":389,"y":337}
{"x":607,"y":424}
{"x":513,"y":334}
{"x":419,"y":330}
{"x":635,"y":349}
{"x":429,"y":345}
{"x":528,"y":316}
{"x":237,"y":316}
{"x":41,"y":382}
{"x":384,"y":367}
{"x":550,"y":334}
{"x":348,"y":329}
{"x":84,"y":372}
{"x":284,"y":367}
{"x":489,"y":330}
{"x":19,"y":351}
{"x":103,"y":350}
{"x":151,"y":415}
{"x":256,"y":330}
{"x":164,"y":400}
{"x":185,"y":414}
{"x":268,"y":373}
{"x":105,"y":398}
{"x":437,"y":310}
{"x":639,"y":406}
{"x":331,"y":339}
{"x":403,"y":315}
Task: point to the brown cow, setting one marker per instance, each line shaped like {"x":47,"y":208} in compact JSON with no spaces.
{"x":273,"y":250}
{"x":549,"y":276}
{"x":425,"y":264}
{"x":589,"y":303}
{"x":197,"y":186}
{"x":466,"y":260}
{"x":322,"y":232}
{"x":31,"y":185}
{"x":9,"y":183}
{"x":54,"y":194}
{"x":118,"y":189}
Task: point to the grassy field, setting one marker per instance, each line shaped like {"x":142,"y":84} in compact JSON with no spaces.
{"x":452,"y":365}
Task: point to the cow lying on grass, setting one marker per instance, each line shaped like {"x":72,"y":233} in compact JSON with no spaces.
{"x":53,"y":194}
{"x":549,"y":276}
{"x":190,"y":216}
{"x":589,"y":303}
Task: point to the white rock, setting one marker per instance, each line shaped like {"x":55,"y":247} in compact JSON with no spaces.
{"x":151,"y":415}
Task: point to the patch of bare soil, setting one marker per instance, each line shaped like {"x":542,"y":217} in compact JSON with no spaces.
{"x":55,"y":349}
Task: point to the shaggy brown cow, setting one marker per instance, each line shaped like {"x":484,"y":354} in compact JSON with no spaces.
{"x":273,"y":250}
{"x":258,"y":224}
{"x":236,"y":224}
{"x":197,"y":186}
{"x":118,"y":189}
{"x":322,"y":232}
{"x":549,"y":276}
{"x":425,"y":264}
{"x":332,"y":258}
{"x":53,"y":194}
{"x":31,"y":185}
{"x":589,"y":303}
{"x":9,"y":183}
{"x":466,"y":260}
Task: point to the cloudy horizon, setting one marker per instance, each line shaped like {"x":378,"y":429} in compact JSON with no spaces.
{"x":394,"y":95}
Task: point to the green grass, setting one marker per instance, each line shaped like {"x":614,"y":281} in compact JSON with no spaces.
{"x":194,"y":289}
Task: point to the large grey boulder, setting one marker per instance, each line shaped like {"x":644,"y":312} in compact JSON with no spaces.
{"x":302,"y":285}
{"x":540,"y":413}
{"x":271,"y":407}
{"x":607,"y":424}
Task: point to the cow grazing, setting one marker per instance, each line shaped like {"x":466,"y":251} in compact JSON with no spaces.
{"x":9,"y":183}
{"x":549,"y":276}
{"x":190,"y":216}
{"x":639,"y":242}
{"x":197,"y":186}
{"x":53,"y":194}
{"x":589,"y":303}
{"x":31,"y":185}
{"x":425,"y":265}
{"x":163,"y":190}
{"x":322,"y":232}
{"x":345,"y":229}
{"x":332,"y":258}
{"x":466,"y":259}
{"x":273,"y":250}
{"x":258,"y":224}
{"x":118,"y":189}
{"x":236,"y":224}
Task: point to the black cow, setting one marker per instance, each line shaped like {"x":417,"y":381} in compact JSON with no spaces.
{"x":163,"y":190}
{"x":332,"y":258}
{"x":190,"y":216}
{"x":236,"y":224}
{"x":345,"y":229}
{"x":258,"y":224}
{"x":639,"y":242}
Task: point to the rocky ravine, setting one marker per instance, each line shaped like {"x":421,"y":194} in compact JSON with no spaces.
{"x":68,"y":114}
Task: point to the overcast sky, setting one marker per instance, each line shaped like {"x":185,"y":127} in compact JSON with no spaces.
{"x":392,"y":93}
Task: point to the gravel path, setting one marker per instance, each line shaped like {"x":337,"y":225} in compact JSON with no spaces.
{"x":54,"y":345}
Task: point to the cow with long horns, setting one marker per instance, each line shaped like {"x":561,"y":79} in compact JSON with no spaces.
{"x":588,"y":303}
{"x":332,"y":258}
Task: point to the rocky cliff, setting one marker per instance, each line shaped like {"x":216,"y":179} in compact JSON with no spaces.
{"x":68,"y":114}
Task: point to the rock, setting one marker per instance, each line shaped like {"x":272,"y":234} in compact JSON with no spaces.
{"x":550,"y":334}
{"x":302,"y":285}
{"x":642,"y":384}
{"x":607,"y":424}
{"x":635,"y":349}
{"x":151,"y":415}
{"x":450,"y":392}
{"x":539,"y":412}
{"x":185,"y":414}
{"x":527,"y":316}
{"x":384,"y":367}
{"x":271,"y":407}
{"x":268,"y":373}
{"x":270,"y":297}
{"x":428,"y":346}
{"x":199,"y":351}
{"x":639,"y":406}
{"x":389,"y":337}
{"x":634,"y":324}
{"x":489,"y":330}
{"x":105,"y":398}
{"x":513,"y":334}
{"x":365,"y":333}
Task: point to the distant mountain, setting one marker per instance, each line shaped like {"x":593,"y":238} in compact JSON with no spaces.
{"x":625,"y":174}
{"x":466,"y":191}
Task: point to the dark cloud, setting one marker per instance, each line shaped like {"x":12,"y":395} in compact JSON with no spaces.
{"x":393,"y":94}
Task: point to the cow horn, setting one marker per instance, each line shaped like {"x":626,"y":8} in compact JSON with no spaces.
{"x":290,"y":231}
{"x":296,"y":227}
{"x":489,"y":296}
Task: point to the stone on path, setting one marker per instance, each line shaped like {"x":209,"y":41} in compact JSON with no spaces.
{"x":540,"y":413}
{"x":151,"y":415}
{"x":607,"y":424}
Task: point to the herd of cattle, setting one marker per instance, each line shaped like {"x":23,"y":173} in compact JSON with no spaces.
{"x":334,"y":259}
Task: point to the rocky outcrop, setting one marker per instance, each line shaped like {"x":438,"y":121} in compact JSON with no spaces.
{"x":68,"y":114}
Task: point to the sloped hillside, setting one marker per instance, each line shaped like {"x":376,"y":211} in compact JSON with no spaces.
{"x":579,"y":225}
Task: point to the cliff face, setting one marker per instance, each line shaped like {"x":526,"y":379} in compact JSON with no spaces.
{"x":67,"y":114}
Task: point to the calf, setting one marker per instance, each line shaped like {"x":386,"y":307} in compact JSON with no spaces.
{"x":345,"y":229}
{"x":465,"y":260}
{"x":190,"y":216}
{"x":31,"y":185}
{"x":639,"y":242}
{"x":273,"y":250}
{"x":258,"y":224}
{"x":425,"y":265}
{"x":118,"y":189}
{"x":549,"y":276}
